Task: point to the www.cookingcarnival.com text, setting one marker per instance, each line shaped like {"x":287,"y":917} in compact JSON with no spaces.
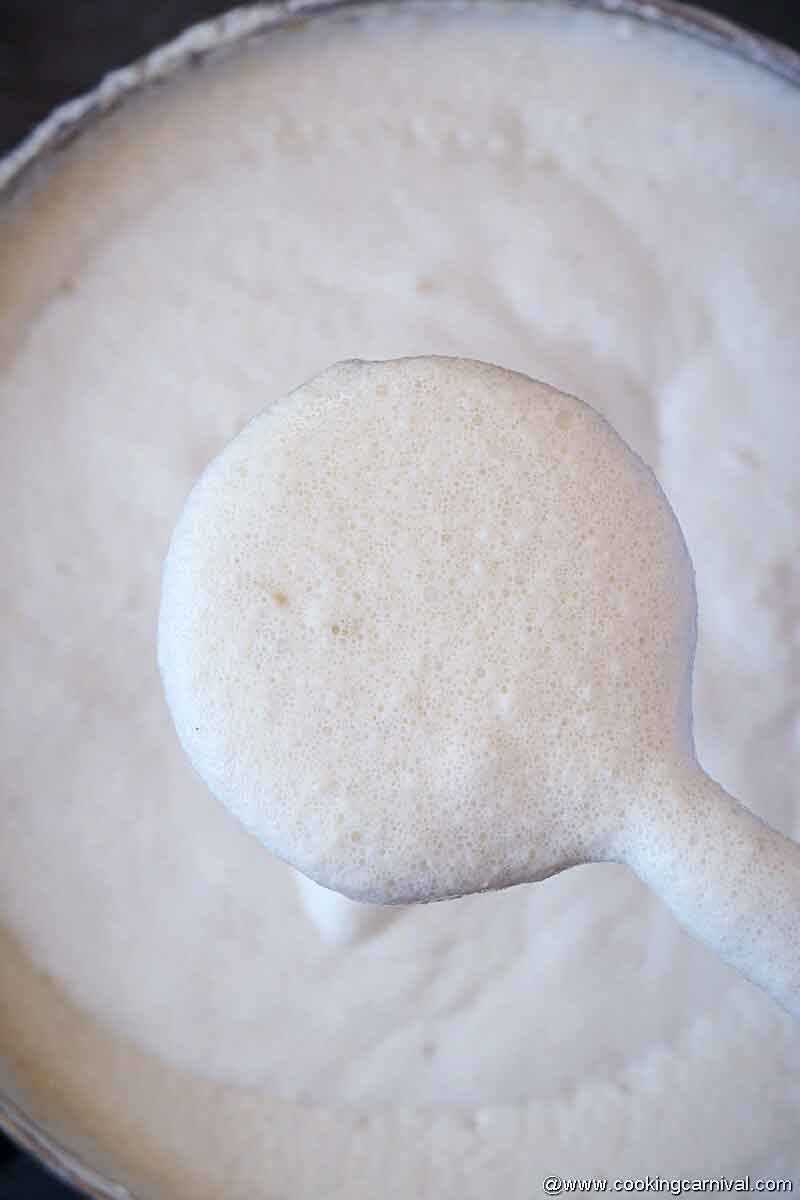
{"x":557,"y":1185}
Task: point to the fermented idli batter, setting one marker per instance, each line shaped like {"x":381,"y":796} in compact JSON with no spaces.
{"x":426,"y":628}
{"x":583,"y":199}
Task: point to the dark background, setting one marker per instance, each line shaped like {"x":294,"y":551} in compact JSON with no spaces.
{"x":51,"y":51}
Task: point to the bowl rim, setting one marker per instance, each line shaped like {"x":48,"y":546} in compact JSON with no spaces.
{"x":237,"y":26}
{"x":196,"y":45}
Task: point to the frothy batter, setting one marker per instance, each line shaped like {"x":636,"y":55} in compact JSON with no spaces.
{"x":471,"y":523}
{"x":453,"y":182}
{"x":427,"y":628}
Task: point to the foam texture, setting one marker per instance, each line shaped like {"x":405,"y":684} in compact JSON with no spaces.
{"x":426,"y":179}
{"x":426,"y":625}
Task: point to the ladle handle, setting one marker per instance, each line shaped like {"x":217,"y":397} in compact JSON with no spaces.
{"x":730,"y":880}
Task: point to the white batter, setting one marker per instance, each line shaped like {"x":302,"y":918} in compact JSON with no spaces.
{"x":426,"y":628}
{"x":453,"y":184}
{"x":491,"y":689}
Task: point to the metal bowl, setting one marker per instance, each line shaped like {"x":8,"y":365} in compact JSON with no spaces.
{"x":197,"y":45}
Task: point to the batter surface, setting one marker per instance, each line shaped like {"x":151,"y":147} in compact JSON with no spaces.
{"x":450,"y":182}
{"x":426,"y":628}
